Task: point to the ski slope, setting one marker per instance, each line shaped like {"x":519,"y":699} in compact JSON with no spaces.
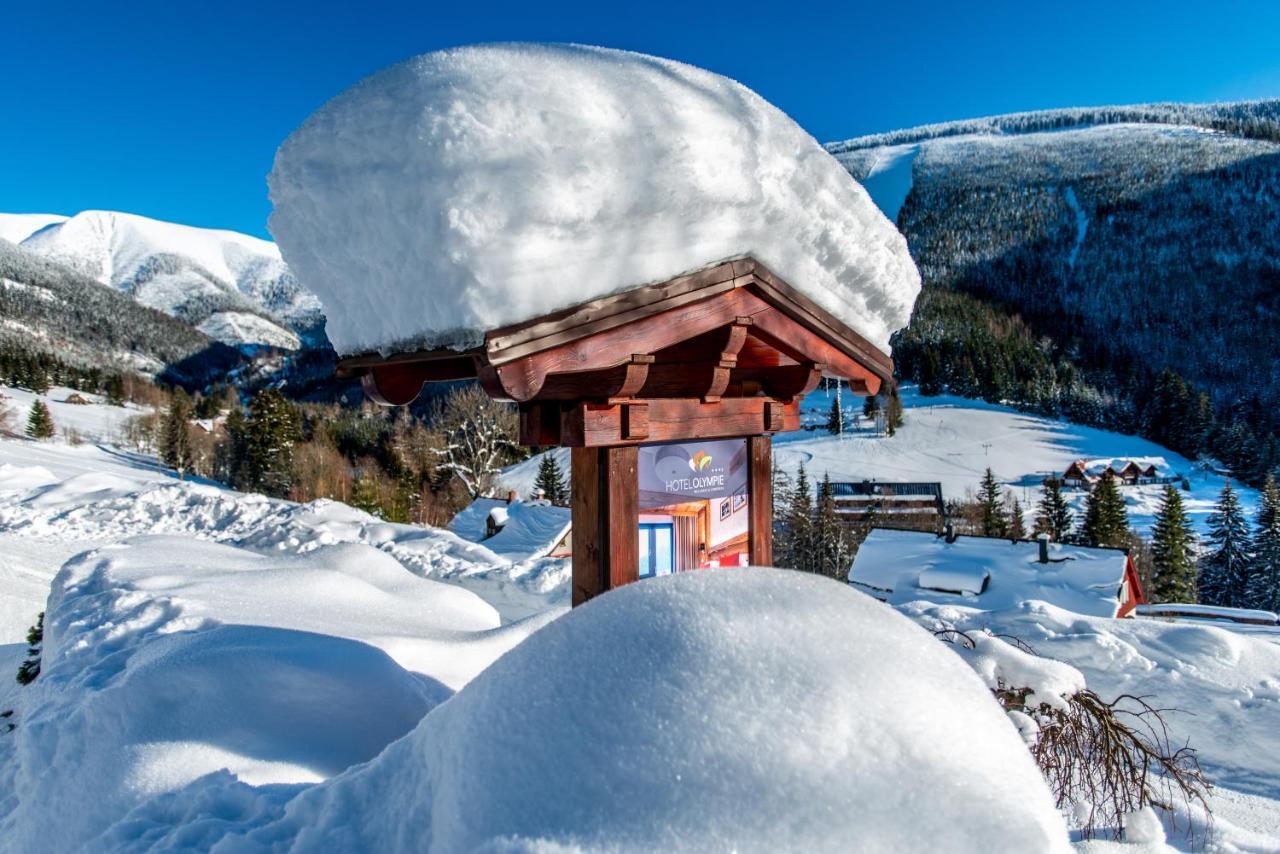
{"x":888,"y":177}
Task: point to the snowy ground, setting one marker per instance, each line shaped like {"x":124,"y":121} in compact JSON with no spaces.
{"x":194,"y":629}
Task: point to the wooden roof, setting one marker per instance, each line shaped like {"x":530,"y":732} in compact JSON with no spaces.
{"x":730,"y":331}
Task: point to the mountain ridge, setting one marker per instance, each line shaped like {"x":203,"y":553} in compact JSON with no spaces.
{"x":1121,"y":273}
{"x":1255,"y":119}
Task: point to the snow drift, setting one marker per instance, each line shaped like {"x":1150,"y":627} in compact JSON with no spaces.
{"x":480,"y":186}
{"x":166,"y":659}
{"x":755,"y":710}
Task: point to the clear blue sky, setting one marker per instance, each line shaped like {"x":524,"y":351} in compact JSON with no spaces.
{"x":174,"y":110}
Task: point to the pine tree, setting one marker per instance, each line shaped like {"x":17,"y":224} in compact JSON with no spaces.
{"x":37,"y":379}
{"x":893,"y":415}
{"x":781,"y":502}
{"x":1200,"y":424}
{"x":365,"y":494}
{"x":833,"y":551}
{"x":1172,"y":555}
{"x":266,"y":441}
{"x":835,"y":420}
{"x":40,"y":421}
{"x":550,"y":480}
{"x":1106,"y":522}
{"x":175,"y":440}
{"x":1225,"y":565}
{"x":115,"y":390}
{"x":30,"y":667}
{"x":799,"y":525}
{"x":1264,"y":580}
{"x":1017,"y":524}
{"x":994,"y":521}
{"x":1054,"y":517}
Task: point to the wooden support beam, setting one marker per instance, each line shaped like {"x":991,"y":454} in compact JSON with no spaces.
{"x":605,"y":508}
{"x":760,"y":500}
{"x":673,"y":420}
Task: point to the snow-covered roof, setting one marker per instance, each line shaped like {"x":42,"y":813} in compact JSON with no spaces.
{"x":903,"y":566}
{"x":530,"y":529}
{"x":1096,"y":468}
{"x":482,"y":186}
{"x":1209,"y":612}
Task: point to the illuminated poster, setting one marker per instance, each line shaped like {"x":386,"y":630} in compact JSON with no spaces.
{"x":693,"y":506}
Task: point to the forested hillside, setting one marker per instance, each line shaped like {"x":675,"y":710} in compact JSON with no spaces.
{"x":46,"y":307}
{"x":1126,"y":275}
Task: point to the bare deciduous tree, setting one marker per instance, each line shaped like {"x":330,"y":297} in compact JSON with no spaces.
{"x":479,"y":438}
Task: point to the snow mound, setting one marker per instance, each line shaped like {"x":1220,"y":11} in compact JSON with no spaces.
{"x":1221,"y":688}
{"x":166,"y":659}
{"x":480,"y":186}
{"x":745,"y":709}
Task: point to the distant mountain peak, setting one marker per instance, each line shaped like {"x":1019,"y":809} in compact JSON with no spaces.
{"x":211,"y":278}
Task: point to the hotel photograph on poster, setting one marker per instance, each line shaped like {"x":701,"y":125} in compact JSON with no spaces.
{"x":693,"y":506}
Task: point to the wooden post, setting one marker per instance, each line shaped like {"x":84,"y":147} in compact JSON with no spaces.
{"x":760,"y":500}
{"x":606,"y":520}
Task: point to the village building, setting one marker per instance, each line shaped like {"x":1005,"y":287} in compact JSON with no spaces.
{"x":515,"y":530}
{"x":996,"y":574}
{"x":1083,"y":474}
{"x":908,"y":506}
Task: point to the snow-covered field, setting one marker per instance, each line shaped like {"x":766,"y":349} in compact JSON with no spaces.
{"x":212,"y":657}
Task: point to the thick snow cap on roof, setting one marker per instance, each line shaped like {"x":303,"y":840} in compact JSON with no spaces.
{"x":735,"y":709}
{"x":904,"y":566}
{"x":476,"y":187}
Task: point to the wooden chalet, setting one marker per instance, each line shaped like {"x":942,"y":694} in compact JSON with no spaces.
{"x":726,"y":352}
{"x":912,"y":506}
{"x":1084,"y":474}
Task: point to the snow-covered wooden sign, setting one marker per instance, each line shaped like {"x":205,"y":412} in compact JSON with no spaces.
{"x":632,"y":250}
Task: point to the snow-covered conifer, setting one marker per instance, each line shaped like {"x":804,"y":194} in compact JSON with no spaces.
{"x":1224,"y":566}
{"x":1172,"y":555}
{"x":40,"y":421}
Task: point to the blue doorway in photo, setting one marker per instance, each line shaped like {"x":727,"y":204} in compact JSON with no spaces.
{"x":657,"y":549}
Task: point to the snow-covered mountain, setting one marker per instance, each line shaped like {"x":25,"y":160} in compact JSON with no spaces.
{"x":233,"y":287}
{"x":1071,"y":257}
